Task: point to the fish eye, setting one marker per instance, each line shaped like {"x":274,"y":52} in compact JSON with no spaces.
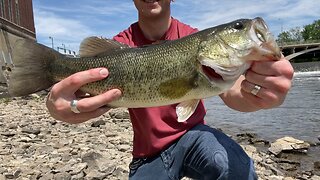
{"x":238,"y":26}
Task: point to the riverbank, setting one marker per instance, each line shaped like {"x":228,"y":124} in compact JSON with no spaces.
{"x":35,"y":146}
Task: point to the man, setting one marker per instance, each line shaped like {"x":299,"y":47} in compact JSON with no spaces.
{"x":162,"y":147}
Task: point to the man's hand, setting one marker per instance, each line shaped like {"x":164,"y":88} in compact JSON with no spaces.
{"x":62,"y":93}
{"x":274,"y":78}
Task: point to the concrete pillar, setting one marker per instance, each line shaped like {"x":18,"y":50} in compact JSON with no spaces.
{"x":3,"y":55}
{"x":7,"y":41}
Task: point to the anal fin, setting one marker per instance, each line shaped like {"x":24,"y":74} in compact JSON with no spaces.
{"x":185,"y":109}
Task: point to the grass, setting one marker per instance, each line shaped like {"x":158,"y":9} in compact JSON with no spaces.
{"x":6,"y":100}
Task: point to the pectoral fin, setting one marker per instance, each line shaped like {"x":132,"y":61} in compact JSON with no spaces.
{"x":185,"y":109}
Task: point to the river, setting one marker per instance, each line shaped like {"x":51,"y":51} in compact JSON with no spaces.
{"x":298,"y":116}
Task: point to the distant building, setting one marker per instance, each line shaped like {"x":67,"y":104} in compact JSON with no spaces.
{"x":16,"y":21}
{"x":16,"y":17}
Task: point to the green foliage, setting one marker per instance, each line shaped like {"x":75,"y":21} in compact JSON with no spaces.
{"x":309,"y":32}
{"x":5,"y":101}
{"x":312,"y":31}
{"x":293,"y":35}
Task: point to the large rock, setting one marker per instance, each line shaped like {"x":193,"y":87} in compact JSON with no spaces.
{"x":119,"y":113}
{"x":317,"y":165}
{"x":288,"y":144}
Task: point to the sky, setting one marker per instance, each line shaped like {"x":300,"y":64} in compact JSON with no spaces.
{"x":67,"y":23}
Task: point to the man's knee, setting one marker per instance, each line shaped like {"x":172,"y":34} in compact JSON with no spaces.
{"x":221,"y":167}
{"x":218,"y":167}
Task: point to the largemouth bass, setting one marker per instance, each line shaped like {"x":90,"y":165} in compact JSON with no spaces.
{"x":182,"y":71}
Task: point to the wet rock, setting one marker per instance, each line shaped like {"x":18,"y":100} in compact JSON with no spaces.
{"x":271,"y":166}
{"x":288,"y":161}
{"x":317,"y":165}
{"x":288,"y":144}
{"x":288,"y":167}
{"x":247,"y":135}
{"x":258,"y":141}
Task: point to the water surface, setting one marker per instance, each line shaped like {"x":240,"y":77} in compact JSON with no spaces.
{"x":299,"y":116}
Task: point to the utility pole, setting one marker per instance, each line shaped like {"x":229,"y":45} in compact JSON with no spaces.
{"x":281,"y":31}
{"x":64,"y":48}
{"x":51,"y":42}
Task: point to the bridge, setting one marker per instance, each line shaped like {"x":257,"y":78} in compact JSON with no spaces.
{"x":306,"y":49}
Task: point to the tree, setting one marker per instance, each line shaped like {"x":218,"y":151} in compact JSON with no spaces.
{"x":293,"y":35}
{"x":312,"y":31}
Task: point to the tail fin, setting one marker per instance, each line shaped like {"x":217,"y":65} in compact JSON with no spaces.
{"x":29,"y":71}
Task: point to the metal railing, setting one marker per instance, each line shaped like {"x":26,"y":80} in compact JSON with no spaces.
{"x":283,"y":43}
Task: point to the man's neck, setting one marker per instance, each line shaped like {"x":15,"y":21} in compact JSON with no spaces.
{"x":154,"y":28}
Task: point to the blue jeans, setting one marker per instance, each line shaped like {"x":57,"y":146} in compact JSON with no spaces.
{"x":202,"y":153}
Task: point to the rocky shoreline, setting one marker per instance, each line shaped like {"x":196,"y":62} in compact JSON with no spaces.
{"x":35,"y":146}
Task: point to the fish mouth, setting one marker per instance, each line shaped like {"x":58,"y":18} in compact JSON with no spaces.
{"x":217,"y":74}
{"x":266,"y":48}
{"x":263,"y":45}
{"x":266,"y":45}
{"x":211,"y":73}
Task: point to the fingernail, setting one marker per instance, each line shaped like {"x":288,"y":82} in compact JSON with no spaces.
{"x":117,"y":92}
{"x":104,"y":72}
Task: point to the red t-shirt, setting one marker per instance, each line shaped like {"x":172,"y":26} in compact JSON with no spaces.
{"x":156,"y":128}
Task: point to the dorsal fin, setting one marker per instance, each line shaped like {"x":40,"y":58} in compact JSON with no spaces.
{"x":94,"y":46}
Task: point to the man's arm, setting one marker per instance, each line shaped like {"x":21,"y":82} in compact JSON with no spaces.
{"x":274,"y":77}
